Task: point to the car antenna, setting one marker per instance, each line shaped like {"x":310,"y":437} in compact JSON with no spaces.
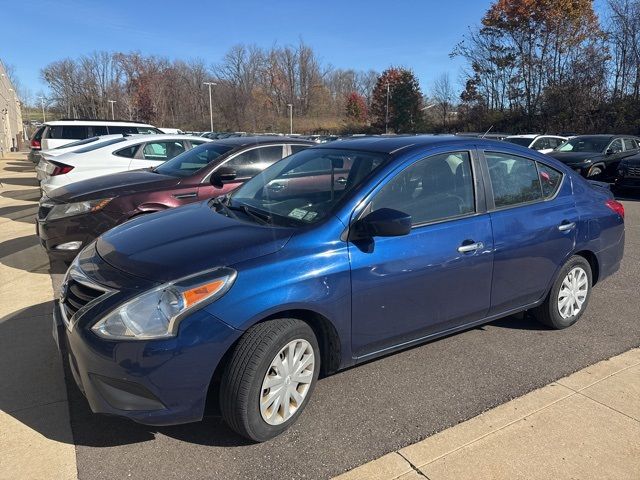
{"x":485,"y":133}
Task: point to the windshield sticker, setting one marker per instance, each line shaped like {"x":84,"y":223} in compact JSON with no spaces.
{"x":297,"y":213}
{"x":310,"y":216}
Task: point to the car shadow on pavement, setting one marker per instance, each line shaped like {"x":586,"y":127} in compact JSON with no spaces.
{"x":21,"y":181}
{"x":19,"y":169}
{"x":27,"y":195}
{"x":19,"y":213}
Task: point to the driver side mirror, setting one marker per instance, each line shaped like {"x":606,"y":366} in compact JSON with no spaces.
{"x":610,"y":151}
{"x":223,"y":175}
{"x":385,"y":222}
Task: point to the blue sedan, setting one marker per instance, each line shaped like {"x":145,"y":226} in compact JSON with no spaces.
{"x":330,"y":257}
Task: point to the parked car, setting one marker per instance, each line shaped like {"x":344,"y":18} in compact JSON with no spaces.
{"x":75,"y":215}
{"x":596,"y":156}
{"x":628,"y":175}
{"x":60,"y":132}
{"x":245,"y":299}
{"x":46,"y":156}
{"x":35,"y":144}
{"x":115,"y":155}
{"x":541,"y":143}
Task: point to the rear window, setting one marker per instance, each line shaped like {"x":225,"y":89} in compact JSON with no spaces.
{"x":78,"y":143}
{"x":37,"y":135}
{"x":93,"y":147}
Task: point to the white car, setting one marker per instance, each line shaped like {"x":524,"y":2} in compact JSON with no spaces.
{"x":541,"y":143}
{"x":69,"y":147}
{"x":115,"y":155}
{"x":60,"y":132}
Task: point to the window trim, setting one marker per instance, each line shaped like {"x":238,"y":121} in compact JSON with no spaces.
{"x":476,"y":184}
{"x":207,"y":177}
{"x":491,"y":204}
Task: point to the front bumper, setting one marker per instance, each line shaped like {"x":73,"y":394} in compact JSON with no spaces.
{"x":84,"y":228}
{"x":159,"y":382}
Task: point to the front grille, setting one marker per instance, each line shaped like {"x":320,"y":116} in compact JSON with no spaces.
{"x":76,"y":295}
{"x":633,"y":171}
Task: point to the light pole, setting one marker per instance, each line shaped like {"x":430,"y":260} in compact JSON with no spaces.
{"x":386,"y":116}
{"x":210,"y":84}
{"x":290,"y":118}
{"x":44,"y":116}
{"x":113,"y":117}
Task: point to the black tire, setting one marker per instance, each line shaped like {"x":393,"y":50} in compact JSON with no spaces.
{"x":242,"y":379}
{"x":548,"y":313}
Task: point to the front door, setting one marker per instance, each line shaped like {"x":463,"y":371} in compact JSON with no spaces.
{"x":435,"y":278}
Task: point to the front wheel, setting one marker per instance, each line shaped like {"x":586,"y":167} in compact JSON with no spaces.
{"x":270,"y":377}
{"x":569,"y":296}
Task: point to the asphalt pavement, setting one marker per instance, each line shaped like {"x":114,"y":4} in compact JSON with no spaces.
{"x":365,"y":412}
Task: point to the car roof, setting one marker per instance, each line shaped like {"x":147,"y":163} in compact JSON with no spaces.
{"x":261,"y":139}
{"x":393,"y":144}
{"x":54,"y":123}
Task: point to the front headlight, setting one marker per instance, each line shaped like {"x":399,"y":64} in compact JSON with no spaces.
{"x":157,"y":313}
{"x":70,"y":209}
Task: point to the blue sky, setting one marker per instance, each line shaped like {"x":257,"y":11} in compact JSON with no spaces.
{"x":357,"y":34}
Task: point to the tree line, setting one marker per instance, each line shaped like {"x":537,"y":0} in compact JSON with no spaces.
{"x":531,"y":65}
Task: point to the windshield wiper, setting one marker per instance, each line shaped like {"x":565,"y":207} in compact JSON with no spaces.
{"x":217,"y":202}
{"x":260,"y":217}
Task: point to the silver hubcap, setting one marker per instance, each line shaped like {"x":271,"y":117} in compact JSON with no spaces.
{"x":287,"y":382}
{"x":573,"y":292}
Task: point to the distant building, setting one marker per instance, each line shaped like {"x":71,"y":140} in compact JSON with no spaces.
{"x":11,"y":134}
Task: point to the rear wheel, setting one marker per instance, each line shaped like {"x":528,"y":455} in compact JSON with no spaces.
{"x":569,"y":296}
{"x":270,"y":377}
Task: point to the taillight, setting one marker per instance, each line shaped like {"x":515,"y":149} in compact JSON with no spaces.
{"x":60,"y":168}
{"x":35,"y":144}
{"x":616,"y":207}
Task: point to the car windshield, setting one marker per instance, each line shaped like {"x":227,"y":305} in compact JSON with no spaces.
{"x":305,"y":187}
{"x":525,"y":142}
{"x":584,"y":144}
{"x":191,"y":161}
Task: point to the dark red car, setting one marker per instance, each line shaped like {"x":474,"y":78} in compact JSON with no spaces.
{"x":76,"y":214}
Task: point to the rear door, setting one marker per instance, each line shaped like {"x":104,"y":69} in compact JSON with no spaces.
{"x":534,"y":218}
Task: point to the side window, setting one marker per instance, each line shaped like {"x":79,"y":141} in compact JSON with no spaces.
{"x":159,"y":151}
{"x":97,"y":130}
{"x":514,"y":180}
{"x":630,"y":144}
{"x":74,"y":132}
{"x":615,"y":146}
{"x":432,"y":189}
{"x":554,"y":142}
{"x":540,"y":144}
{"x":250,"y":163}
{"x":195,"y":143}
{"x":115,"y":129}
{"x":550,"y":179}
{"x":298,"y":148}
{"x":144,"y":130}
{"x":128,"y":152}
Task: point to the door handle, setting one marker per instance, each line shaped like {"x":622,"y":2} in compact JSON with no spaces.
{"x":276,"y":187}
{"x":180,"y":196}
{"x":565,"y":226}
{"x":471,"y":247}
{"x":341,"y":180}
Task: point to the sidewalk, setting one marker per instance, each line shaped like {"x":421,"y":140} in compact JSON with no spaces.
{"x":584,"y":426}
{"x":35,"y":434}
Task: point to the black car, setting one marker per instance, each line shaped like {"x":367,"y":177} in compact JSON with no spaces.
{"x":597,"y":156}
{"x":628,"y":175}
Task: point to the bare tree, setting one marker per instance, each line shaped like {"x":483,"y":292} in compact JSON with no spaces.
{"x":443,"y":95}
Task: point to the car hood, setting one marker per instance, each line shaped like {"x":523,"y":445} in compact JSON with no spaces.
{"x":574,"y":157}
{"x":113,"y":185}
{"x":181,"y":241}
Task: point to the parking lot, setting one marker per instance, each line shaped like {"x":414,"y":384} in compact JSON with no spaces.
{"x":355,"y":416}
